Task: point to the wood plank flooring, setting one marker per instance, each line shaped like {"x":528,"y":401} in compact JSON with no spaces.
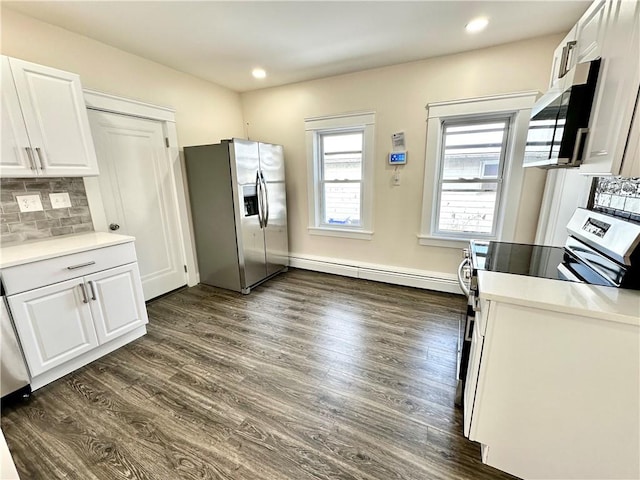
{"x":311,"y":376}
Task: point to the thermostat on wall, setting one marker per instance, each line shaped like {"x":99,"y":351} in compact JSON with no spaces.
{"x":398,"y":158}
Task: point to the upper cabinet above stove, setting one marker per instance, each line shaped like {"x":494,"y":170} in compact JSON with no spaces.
{"x":582,"y":44}
{"x":45,"y":127}
{"x":609,"y":30}
{"x":612,"y":31}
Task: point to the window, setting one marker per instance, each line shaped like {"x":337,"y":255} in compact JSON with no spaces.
{"x":470,"y":171}
{"x":340,"y":151}
{"x":473,"y":171}
{"x":341,"y":177}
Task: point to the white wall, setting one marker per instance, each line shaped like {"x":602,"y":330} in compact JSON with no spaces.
{"x":205,"y":112}
{"x":398,"y":94}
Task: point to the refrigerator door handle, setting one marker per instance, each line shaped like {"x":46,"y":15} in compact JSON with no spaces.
{"x":259,"y":195}
{"x":266,"y":199}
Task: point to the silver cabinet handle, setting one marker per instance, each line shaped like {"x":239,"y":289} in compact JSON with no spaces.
{"x":84,"y":293}
{"x":80,"y":265}
{"x":40,"y":158}
{"x":32,"y":163}
{"x":576,"y":147}
{"x":564,"y":62}
{"x":114,"y":226}
{"x":93,"y":290}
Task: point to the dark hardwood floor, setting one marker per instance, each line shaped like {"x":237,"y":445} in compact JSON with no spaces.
{"x":311,"y":376}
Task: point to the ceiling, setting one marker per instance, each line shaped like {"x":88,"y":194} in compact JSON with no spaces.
{"x":298,"y":40}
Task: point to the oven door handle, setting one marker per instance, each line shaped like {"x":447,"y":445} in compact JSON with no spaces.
{"x":463,"y":286}
{"x":468,"y":331}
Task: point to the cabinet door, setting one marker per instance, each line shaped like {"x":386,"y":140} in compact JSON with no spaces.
{"x":631,"y":161}
{"x":563,"y":59}
{"x":16,"y":160}
{"x":590,"y":32}
{"x":117,"y":301}
{"x":54,"y":324}
{"x":56,"y":118}
{"x":616,"y":92}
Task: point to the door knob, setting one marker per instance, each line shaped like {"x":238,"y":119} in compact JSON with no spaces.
{"x":114,"y":226}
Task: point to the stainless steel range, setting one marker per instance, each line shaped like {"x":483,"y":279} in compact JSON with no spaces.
{"x":601,"y":250}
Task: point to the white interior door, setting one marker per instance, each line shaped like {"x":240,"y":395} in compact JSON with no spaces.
{"x":138,"y":193}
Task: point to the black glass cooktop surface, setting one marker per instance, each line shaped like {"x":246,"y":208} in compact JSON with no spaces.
{"x":518,"y":258}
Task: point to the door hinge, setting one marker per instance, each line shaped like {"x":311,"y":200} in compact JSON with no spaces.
{"x":185,"y":269}
{"x":166,"y":141}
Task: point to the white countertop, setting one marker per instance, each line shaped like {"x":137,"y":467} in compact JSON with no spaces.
{"x":606,"y":303}
{"x":28,"y":252}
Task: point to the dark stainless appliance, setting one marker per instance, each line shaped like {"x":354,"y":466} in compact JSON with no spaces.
{"x":560,"y":120}
{"x":601,"y":250}
{"x":239,"y":211}
{"x":14,"y":377}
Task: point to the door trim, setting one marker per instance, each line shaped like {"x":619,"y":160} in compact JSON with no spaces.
{"x":105,"y":102}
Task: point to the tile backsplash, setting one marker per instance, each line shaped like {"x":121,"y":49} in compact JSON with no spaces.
{"x":17,"y":226}
{"x":618,"y":196}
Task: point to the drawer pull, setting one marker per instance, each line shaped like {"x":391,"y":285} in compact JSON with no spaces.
{"x":93,"y":290}
{"x":73,"y":267}
{"x":84,"y":293}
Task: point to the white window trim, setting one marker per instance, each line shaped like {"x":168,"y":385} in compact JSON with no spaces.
{"x":519,"y":105}
{"x":318,"y":125}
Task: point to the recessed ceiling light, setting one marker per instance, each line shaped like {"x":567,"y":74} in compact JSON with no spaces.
{"x":258,"y":73}
{"x":476,"y":25}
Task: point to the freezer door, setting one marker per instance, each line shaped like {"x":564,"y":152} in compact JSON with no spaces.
{"x":272,"y":162}
{"x":245,"y":161}
{"x":251,"y":247}
{"x":276,"y":238}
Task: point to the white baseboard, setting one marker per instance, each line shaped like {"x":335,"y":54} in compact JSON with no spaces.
{"x":409,"y":277}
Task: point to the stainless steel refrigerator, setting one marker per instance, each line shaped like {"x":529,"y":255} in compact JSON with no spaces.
{"x":239,"y":211}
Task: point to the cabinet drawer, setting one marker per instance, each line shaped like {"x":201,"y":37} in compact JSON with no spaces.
{"x":21,"y":278}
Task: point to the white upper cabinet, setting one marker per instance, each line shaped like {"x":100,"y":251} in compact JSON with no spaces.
{"x":563,"y":59}
{"x":589,"y":32}
{"x":45,"y":128}
{"x":610,"y":127}
{"x":16,"y":150}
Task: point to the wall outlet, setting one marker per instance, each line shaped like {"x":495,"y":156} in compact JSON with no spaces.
{"x":60,"y":200}
{"x":29,"y":203}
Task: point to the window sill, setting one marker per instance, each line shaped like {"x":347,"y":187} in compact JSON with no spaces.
{"x":341,"y":232}
{"x":447,"y":242}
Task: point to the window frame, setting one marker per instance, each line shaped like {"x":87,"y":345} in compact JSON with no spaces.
{"x":315,"y":128}
{"x":468,"y":121}
{"x":518,"y":105}
{"x":322,"y":181}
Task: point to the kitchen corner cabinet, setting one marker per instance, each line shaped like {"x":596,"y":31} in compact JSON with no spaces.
{"x":556,"y":395}
{"x":72,"y":309}
{"x":45,"y":127}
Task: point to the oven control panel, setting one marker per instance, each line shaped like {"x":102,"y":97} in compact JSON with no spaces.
{"x":596,"y":227}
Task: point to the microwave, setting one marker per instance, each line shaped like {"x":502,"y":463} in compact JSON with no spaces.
{"x":559,"y":122}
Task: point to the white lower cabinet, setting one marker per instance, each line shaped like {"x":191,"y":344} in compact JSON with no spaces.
{"x":556,"y":394}
{"x":116,"y":301}
{"x":54,"y":325}
{"x":97,"y":308}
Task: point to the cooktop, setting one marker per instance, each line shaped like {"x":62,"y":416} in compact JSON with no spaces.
{"x":518,"y":258}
